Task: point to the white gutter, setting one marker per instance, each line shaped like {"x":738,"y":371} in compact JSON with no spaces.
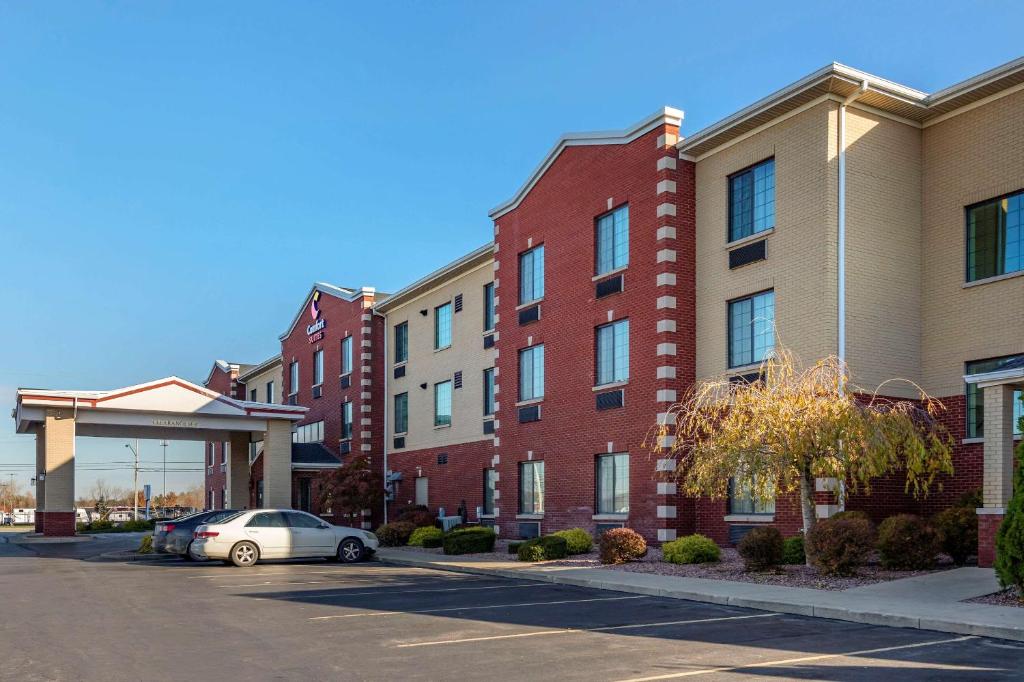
{"x":385,"y":410}
{"x":841,"y":221}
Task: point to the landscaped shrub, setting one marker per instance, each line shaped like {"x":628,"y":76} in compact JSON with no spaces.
{"x":395,"y":534}
{"x":101,"y":525}
{"x":146,"y":546}
{"x":577,"y":539}
{"x":852,"y":514}
{"x":80,"y":527}
{"x":546,"y":548}
{"x":426,"y":534}
{"x":793,"y":550}
{"x":972,"y":499}
{"x":840,"y":546}
{"x":958,"y":531}
{"x":619,"y":545}
{"x":472,"y":540}
{"x":691,"y":549}
{"x":133,"y":526}
{"x":761,"y":548}
{"x":907,"y":543}
{"x":513,"y":547}
{"x":419,"y":518}
{"x":1009,"y":563}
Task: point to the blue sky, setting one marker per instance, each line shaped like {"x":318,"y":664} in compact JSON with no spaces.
{"x":174,"y":176}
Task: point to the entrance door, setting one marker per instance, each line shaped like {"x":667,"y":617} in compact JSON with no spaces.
{"x":304,"y":495}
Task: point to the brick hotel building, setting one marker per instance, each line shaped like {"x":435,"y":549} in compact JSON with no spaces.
{"x":848,"y":214}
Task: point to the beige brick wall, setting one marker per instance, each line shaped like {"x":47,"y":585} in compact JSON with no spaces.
{"x":59,"y":436}
{"x":427,"y":366}
{"x":971,"y":157}
{"x":801,"y":262}
{"x":259,"y":382}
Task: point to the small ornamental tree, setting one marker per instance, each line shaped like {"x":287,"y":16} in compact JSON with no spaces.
{"x":351,"y":488}
{"x":1009,"y":562}
{"x":780,"y":432}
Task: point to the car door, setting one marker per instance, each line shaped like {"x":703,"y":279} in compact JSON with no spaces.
{"x":311,"y":538}
{"x":270,"y":531}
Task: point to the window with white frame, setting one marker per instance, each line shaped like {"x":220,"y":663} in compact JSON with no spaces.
{"x":531,"y":487}
{"x":611,"y":240}
{"x":612,"y":352}
{"x":443,"y":403}
{"x":612,"y":484}
{"x":531,"y":275}
{"x":401,"y":342}
{"x":346,"y":420}
{"x":489,"y":391}
{"x":490,"y":483}
{"x":293,"y":377}
{"x":531,"y":373}
{"x":751,"y":328}
{"x":752,"y":200}
{"x":402,"y":413}
{"x":270,"y":391}
{"x":995,"y":237}
{"x":346,"y":355}
{"x":309,"y":433}
{"x":742,"y":501}
{"x":318,"y":367}
{"x":443,"y":326}
{"x":489,"y":306}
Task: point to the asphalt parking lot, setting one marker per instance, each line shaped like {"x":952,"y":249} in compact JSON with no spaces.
{"x":66,"y":617}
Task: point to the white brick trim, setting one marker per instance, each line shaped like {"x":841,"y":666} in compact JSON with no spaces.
{"x":666,"y":209}
{"x":666,"y":326}
{"x":666,"y":139}
{"x":666,"y":511}
{"x":665,"y":464}
{"x":667,"y":163}
{"x":666,"y":302}
{"x":666,"y":488}
{"x":667,"y":232}
{"x":667,"y":186}
{"x":666,"y":395}
{"x":666,"y":441}
{"x":666,"y":279}
{"x":666,"y":372}
{"x":666,"y":349}
{"x":666,"y":255}
{"x":666,"y":534}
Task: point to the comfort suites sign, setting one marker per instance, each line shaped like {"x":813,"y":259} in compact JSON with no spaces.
{"x":315,"y":331}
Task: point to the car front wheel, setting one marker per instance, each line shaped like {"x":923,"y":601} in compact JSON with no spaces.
{"x":350,"y":551}
{"x":244,"y":554}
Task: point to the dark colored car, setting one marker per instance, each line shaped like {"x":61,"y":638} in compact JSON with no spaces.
{"x":175,"y":536}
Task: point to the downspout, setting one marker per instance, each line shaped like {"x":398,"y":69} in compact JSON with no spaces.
{"x":385,"y":410}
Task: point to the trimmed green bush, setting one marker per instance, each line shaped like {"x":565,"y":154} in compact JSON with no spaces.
{"x":101,"y":525}
{"x":545,"y":548}
{"x":146,"y":546}
{"x":841,"y":546}
{"x":691,"y":549}
{"x":972,"y":499}
{"x":852,"y":514}
{"x":513,"y":547}
{"x":134,"y":526}
{"x":472,"y":540}
{"x":761,"y":548}
{"x":958,"y":530}
{"x":395,"y":534}
{"x":577,"y":540}
{"x":1009,"y":563}
{"x":907,"y":543}
{"x":793,"y":551}
{"x":424,"y":534}
{"x":619,"y":545}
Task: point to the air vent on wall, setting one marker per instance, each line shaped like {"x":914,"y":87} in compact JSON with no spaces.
{"x":346,"y":381}
{"x":751,"y":253}
{"x":442,"y":458}
{"x":318,"y":391}
{"x":399,"y":371}
{"x":458,"y":380}
{"x":529,"y":530}
{"x":489,"y":341}
{"x":293,"y":400}
{"x":530,"y":413}
{"x":345,"y":448}
{"x":531,"y":314}
{"x":399,"y":442}
{"x":458,"y":303}
{"x":489,"y":426}
{"x":423,"y":386}
{"x":609,"y":400}
{"x":606,"y":287}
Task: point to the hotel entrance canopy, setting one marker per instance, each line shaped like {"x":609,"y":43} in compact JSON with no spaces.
{"x":170,"y":408}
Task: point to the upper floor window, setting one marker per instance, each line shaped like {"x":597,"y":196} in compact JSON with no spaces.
{"x":531,"y":373}
{"x":612,"y":484}
{"x":346,"y":355}
{"x":975,"y":397}
{"x":489,"y":306}
{"x":401,"y":413}
{"x":270,"y":391}
{"x":751,"y":328}
{"x":995,"y":237}
{"x":612,"y":240}
{"x":442,"y":326}
{"x":443,"y":403}
{"x":252,"y":395}
{"x":346,"y":420}
{"x":402,"y":342}
{"x":224,"y":452}
{"x":531,"y":275}
{"x":752,"y":200}
{"x":531,"y":487}
{"x":318,"y":367}
{"x":612,"y":352}
{"x":293,"y":377}
{"x":209,"y":461}
{"x":309,"y":433}
{"x":489,"y":391}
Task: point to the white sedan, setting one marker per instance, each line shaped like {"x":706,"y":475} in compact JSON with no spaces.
{"x":250,"y":536}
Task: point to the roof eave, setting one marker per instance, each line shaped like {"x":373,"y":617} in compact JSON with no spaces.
{"x":481,"y":254}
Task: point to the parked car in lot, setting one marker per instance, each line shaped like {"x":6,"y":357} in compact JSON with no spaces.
{"x":174,"y":536}
{"x":250,"y":536}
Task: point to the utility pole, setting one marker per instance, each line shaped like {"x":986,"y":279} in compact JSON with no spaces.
{"x":164,"y":444}
{"x":135,"y":486}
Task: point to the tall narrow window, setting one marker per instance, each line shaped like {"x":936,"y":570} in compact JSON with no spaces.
{"x":742,"y":502}
{"x":346,"y":420}
{"x":318,"y":367}
{"x":531,"y":373}
{"x":531,"y":487}
{"x":612,"y":352}
{"x":751,"y":328}
{"x":346,"y":355}
{"x":531,"y":275}
{"x":612,"y":240}
{"x":442,"y":326}
{"x":252,"y":395}
{"x":975,"y":396}
{"x":489,"y":391}
{"x":995,"y":237}
{"x":402,"y":342}
{"x":490,"y":480}
{"x":401,"y":413}
{"x":612,"y":484}
{"x":443,"y":403}
{"x":270,"y":391}
{"x":489,"y":306}
{"x":752,"y":200}
{"x":293,"y":377}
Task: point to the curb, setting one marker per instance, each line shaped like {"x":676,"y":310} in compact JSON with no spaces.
{"x":897,"y":620}
{"x":134,"y":556}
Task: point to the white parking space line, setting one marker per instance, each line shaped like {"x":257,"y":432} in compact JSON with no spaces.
{"x":800,"y":659}
{"x":231,"y":573}
{"x":477,"y":608}
{"x":570,"y":631}
{"x":387,"y":592}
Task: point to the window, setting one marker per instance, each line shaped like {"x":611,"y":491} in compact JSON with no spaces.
{"x":490,"y":480}
{"x":995,"y":237}
{"x":401,"y":413}
{"x":531,"y":487}
{"x":751,"y":329}
{"x":976,"y":402}
{"x":346,"y":355}
{"x":612,"y":240}
{"x":443,"y":404}
{"x":209,"y":461}
{"x":442,"y":326}
{"x":489,"y":391}
{"x":224,"y":453}
{"x":752,"y":200}
{"x":346,"y":420}
{"x":318,"y":367}
{"x":267,"y":520}
{"x":270,"y":391}
{"x":531,"y":373}
{"x":489,"y":306}
{"x":293,"y":378}
{"x":741,"y":502}
{"x":252,"y":395}
{"x":421,"y":490}
{"x":531,"y":275}
{"x":298,"y":519}
{"x":612,"y":484}
{"x":309,"y":433}
{"x":402,"y":342}
{"x":612,"y":353}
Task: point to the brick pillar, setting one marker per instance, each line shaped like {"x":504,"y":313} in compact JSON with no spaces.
{"x":998,"y":469}
{"x":59,"y":456}
{"x":40,"y":483}
{"x":988,"y":524}
{"x":237,"y":474}
{"x":277,"y":465}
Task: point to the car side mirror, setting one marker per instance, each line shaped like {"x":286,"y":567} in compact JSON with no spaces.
{"x":325,"y":526}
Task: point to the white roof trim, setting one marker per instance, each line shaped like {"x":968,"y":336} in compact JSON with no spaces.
{"x":305,"y":466}
{"x":438,"y":274}
{"x":260,"y":368}
{"x":1003,"y":376}
{"x":222,"y":365}
{"x":660,"y":117}
{"x":325,"y":288}
{"x":975,"y":81}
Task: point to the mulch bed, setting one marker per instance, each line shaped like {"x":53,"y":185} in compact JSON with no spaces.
{"x":1008,"y":597}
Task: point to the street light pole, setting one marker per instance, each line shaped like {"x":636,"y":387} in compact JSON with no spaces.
{"x":164,"y":444}
{"x":135,"y":486}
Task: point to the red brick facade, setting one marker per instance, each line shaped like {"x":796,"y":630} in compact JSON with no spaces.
{"x":224,"y":380}
{"x":455,"y":474}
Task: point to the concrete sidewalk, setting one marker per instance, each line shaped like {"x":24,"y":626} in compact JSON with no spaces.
{"x":924,"y":602}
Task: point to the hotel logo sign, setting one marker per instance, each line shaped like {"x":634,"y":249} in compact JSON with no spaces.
{"x":315,"y":331}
